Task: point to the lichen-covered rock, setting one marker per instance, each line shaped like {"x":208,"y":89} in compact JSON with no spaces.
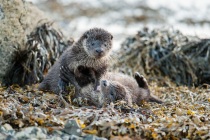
{"x":29,"y":45}
{"x":32,"y":132}
{"x":1,"y":13}
{"x":17,"y":19}
{"x":72,"y":131}
{"x":44,"y":46}
{"x":72,"y":128}
{"x":5,"y":133}
{"x":92,"y":137}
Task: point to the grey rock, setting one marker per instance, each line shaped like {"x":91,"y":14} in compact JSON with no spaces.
{"x":72,"y":127}
{"x":74,"y":137}
{"x":57,"y":135}
{"x":2,"y":129}
{"x":92,"y":137}
{"x":64,"y":136}
{"x":71,"y":131}
{"x":8,"y":126}
{"x":57,"y":138}
{"x":1,"y":13}
{"x":11,"y":132}
{"x":3,"y":136}
{"x":31,"y":132}
{"x":10,"y":138}
{"x":17,"y":19}
{"x":5,"y":132}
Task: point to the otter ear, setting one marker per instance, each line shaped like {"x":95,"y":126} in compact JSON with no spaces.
{"x":111,"y":37}
{"x":85,"y":36}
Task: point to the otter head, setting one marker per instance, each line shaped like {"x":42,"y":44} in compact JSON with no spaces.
{"x":113,"y":91}
{"x":97,"y":42}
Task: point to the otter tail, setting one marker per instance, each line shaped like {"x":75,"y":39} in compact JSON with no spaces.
{"x":153,"y":98}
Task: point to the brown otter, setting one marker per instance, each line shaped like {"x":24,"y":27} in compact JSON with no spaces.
{"x":118,"y":86}
{"x":90,"y":51}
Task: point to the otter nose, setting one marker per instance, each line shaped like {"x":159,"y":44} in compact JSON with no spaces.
{"x":104,"y":83}
{"x":99,"y":51}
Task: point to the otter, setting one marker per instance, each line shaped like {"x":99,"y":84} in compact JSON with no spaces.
{"x":117,"y":86}
{"x":89,"y":92}
{"x":91,"y":51}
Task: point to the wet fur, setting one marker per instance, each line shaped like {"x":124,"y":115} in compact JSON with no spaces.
{"x":76,"y":56}
{"x":128,"y":89}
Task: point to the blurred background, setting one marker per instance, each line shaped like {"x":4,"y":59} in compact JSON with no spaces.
{"x":125,"y":17}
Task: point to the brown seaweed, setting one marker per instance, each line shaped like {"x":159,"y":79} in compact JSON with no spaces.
{"x":168,"y":53}
{"x":43,"y":47}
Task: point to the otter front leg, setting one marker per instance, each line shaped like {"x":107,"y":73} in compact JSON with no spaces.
{"x":66,"y":76}
{"x":94,"y":79}
{"x":62,"y":85}
{"x":87,"y":75}
{"x":142,"y":82}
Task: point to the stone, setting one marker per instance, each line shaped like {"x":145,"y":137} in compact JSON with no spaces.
{"x":3,"y":136}
{"x":10,"y":138}
{"x":32,"y":132}
{"x":74,"y":137}
{"x":8,"y":126}
{"x":17,"y":19}
{"x":92,"y":137}
{"x":72,"y":127}
{"x":1,"y":13}
{"x":2,"y":129}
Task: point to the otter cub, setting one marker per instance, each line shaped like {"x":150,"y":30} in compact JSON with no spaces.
{"x":123,"y":87}
{"x":90,"y":51}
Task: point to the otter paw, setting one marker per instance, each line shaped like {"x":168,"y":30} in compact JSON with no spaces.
{"x":65,"y":74}
{"x":142,"y":82}
{"x":137,"y":74}
{"x":62,"y":85}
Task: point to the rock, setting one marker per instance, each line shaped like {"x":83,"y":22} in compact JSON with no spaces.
{"x":74,"y":137}
{"x":2,"y":129}
{"x":44,"y":46}
{"x":57,"y":135}
{"x":92,"y":137}
{"x":56,"y":138}
{"x":3,"y":136}
{"x":32,"y":132}
{"x":6,"y":130}
{"x":17,"y":19}
{"x":72,"y":127}
{"x":1,"y":13}
{"x":8,"y":126}
{"x":10,"y":138}
{"x":29,"y":45}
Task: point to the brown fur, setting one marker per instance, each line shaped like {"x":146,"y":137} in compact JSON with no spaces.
{"x":117,"y":86}
{"x":82,"y":53}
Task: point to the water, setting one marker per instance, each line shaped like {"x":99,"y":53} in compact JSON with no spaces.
{"x":124,"y":18}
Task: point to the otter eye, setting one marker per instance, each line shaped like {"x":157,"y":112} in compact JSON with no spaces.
{"x":93,"y":44}
{"x":112,"y":94}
